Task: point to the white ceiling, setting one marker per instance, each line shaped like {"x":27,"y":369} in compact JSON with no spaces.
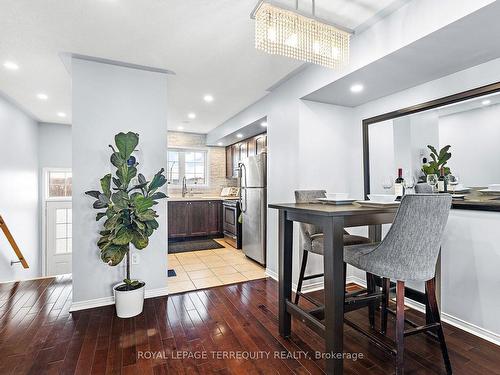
{"x":209,"y":44}
{"x":455,"y":47}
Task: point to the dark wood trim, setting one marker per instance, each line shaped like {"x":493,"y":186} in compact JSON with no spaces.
{"x":432,"y":104}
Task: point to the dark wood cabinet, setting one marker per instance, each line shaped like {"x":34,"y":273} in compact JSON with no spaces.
{"x":198,"y":215}
{"x":194,"y":218}
{"x":214,"y":217}
{"x":248,"y":147}
{"x":178,"y":223}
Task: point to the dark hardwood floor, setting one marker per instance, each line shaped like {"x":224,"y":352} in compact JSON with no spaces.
{"x":38,"y":335}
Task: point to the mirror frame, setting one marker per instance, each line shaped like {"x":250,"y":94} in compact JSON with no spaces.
{"x":432,"y":104}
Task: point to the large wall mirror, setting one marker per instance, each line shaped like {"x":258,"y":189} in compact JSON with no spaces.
{"x":468,"y":122}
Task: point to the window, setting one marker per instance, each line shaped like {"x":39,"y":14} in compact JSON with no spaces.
{"x":191,"y":164}
{"x":59,"y":183}
{"x":63,"y":230}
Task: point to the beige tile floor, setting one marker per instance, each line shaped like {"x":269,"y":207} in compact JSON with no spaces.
{"x":208,"y":268}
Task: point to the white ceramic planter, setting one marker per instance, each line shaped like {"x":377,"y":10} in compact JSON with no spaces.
{"x":129,"y":303}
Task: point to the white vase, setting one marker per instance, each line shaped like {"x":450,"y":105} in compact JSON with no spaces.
{"x":129,"y":303}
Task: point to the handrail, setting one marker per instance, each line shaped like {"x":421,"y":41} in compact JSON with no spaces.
{"x":12,"y":242}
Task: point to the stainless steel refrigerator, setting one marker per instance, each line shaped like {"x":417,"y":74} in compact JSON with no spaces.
{"x":253,"y":203}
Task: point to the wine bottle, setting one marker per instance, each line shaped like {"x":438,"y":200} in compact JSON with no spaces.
{"x":399,"y":185}
{"x":442,"y":183}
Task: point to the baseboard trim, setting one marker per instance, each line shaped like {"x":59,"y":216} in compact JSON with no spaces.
{"x":106,"y":301}
{"x":306,"y":288}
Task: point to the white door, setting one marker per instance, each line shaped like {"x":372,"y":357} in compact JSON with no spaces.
{"x":59,"y":237}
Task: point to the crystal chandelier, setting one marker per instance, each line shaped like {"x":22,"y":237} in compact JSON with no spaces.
{"x":288,"y":33}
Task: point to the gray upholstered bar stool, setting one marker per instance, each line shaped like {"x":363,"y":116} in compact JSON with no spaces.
{"x":313,"y":238}
{"x":409,"y":251}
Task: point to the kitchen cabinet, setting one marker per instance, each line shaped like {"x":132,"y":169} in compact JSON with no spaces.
{"x":194,"y":218}
{"x":178,"y":224}
{"x":238,"y":151}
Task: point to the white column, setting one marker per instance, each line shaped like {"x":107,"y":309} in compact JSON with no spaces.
{"x":107,"y":99}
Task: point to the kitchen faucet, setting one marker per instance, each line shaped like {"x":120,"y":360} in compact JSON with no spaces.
{"x":184,"y":186}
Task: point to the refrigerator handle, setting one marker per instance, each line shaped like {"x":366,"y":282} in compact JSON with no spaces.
{"x":242,"y":169}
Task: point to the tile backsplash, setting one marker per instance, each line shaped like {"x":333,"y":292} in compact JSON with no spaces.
{"x":216,"y":159}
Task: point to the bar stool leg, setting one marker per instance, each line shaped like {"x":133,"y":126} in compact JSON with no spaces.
{"x":430,"y":288}
{"x":386,"y":286}
{"x":305,"y":253}
{"x":400,"y":327}
{"x":370,"y":287}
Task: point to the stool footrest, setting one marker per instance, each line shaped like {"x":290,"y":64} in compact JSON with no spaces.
{"x":424,"y":328}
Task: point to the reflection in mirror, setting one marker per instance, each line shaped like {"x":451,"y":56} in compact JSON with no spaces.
{"x":471,"y":128}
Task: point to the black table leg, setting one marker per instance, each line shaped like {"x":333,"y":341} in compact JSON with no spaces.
{"x":285,"y":272}
{"x":334,"y":293}
{"x":375,"y":232}
{"x":373,"y":281}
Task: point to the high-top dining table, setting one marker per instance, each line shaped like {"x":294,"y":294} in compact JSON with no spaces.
{"x":329,"y":323}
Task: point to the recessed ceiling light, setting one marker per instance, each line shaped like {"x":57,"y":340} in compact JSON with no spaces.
{"x":486,"y":102}
{"x":10,"y":65}
{"x":180,"y":128}
{"x":219,"y":144}
{"x":357,"y":87}
{"x":263,"y":123}
{"x":42,"y":96}
{"x":208,"y":98}
{"x":61,"y":114}
{"x":239,"y":135}
{"x":192,"y":115}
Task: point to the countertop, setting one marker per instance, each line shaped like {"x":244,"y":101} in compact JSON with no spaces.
{"x":200,"y":197}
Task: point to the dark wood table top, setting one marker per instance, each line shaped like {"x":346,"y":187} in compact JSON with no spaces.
{"x":322,"y":209}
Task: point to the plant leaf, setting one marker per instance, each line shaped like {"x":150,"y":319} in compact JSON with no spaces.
{"x":123,"y":237}
{"x":158,"y":195}
{"x":157,"y":181}
{"x":148,"y":215}
{"x":104,"y":199}
{"x":106,"y":185}
{"x":93,"y":193}
{"x":120,"y":199}
{"x":142,"y":203}
{"x":114,"y":254}
{"x":126,"y":144}
{"x":141,"y":179}
{"x":100,"y":215}
{"x":140,"y":241}
{"x":99,"y":204}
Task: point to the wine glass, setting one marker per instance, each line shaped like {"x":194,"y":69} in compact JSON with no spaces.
{"x":432,"y":180}
{"x":409,"y":183}
{"x":453,"y":181}
{"x":387,"y":183}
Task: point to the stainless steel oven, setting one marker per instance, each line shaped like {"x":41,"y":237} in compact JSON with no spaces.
{"x":231,"y":226}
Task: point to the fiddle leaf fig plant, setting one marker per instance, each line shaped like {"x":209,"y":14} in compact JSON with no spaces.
{"x":439,"y":160}
{"x":127,"y":208}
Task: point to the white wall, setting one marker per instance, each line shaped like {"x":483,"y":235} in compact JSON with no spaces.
{"x":108,"y":99}
{"x":19,"y":191}
{"x":473,"y":136}
{"x":382,"y":164}
{"x":54,"y":145}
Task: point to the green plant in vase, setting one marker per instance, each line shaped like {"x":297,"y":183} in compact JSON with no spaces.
{"x":127,"y":208}
{"x":439,"y":160}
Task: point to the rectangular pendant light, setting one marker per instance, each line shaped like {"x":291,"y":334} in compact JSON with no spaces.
{"x":287,"y":33}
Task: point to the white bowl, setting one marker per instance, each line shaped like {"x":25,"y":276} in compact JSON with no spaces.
{"x":382,"y":198}
{"x":337,"y":196}
{"x":495,"y":187}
